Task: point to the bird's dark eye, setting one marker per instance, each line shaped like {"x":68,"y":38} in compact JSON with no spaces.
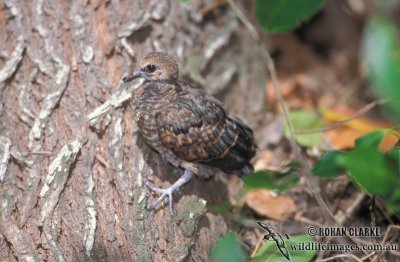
{"x":150,"y":68}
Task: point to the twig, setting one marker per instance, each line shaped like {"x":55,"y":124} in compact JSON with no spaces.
{"x":302,"y":219}
{"x":373,"y":224}
{"x":341,"y":256}
{"x":389,"y":229}
{"x":258,"y":245}
{"x":341,"y":218}
{"x":269,"y":65}
{"x":295,"y":147}
{"x":359,"y":113}
{"x":368,"y":256}
{"x":212,"y":6}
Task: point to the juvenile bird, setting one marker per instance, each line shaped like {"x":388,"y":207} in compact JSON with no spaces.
{"x":188,"y":128}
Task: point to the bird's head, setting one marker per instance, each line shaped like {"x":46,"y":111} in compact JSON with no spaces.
{"x":155,"y":66}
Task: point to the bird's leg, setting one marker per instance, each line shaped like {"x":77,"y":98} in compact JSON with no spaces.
{"x":186,"y":177}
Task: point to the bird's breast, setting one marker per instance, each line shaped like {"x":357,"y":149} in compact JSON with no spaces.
{"x":146,"y":109}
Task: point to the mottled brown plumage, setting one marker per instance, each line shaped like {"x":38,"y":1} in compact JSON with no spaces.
{"x":189,"y":128}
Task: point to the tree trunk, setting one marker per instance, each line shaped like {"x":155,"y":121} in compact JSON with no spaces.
{"x":72,"y":164}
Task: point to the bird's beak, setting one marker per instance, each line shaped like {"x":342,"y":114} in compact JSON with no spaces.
{"x":136,"y":74}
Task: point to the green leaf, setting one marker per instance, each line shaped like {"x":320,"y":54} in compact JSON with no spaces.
{"x":327,"y":166}
{"x":228,"y":248}
{"x":270,"y":252}
{"x":393,"y":198}
{"x":284,"y":15}
{"x":375,"y":172}
{"x":381,"y":52}
{"x":369,"y":167}
{"x":371,"y":140}
{"x":303,"y":120}
{"x":279,"y":181}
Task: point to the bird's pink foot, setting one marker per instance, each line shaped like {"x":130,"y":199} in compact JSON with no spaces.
{"x":168,"y":192}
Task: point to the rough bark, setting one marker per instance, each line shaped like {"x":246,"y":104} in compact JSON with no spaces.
{"x":71,"y":162}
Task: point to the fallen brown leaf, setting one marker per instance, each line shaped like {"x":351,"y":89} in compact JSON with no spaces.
{"x":344,"y":137}
{"x":298,"y":91}
{"x":263,"y":162}
{"x":266,"y":203}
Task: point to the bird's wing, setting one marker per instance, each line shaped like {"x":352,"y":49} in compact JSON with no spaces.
{"x":199,"y":130}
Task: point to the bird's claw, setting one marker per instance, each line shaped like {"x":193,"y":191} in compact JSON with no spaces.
{"x":164,"y":193}
{"x":186,"y":176}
